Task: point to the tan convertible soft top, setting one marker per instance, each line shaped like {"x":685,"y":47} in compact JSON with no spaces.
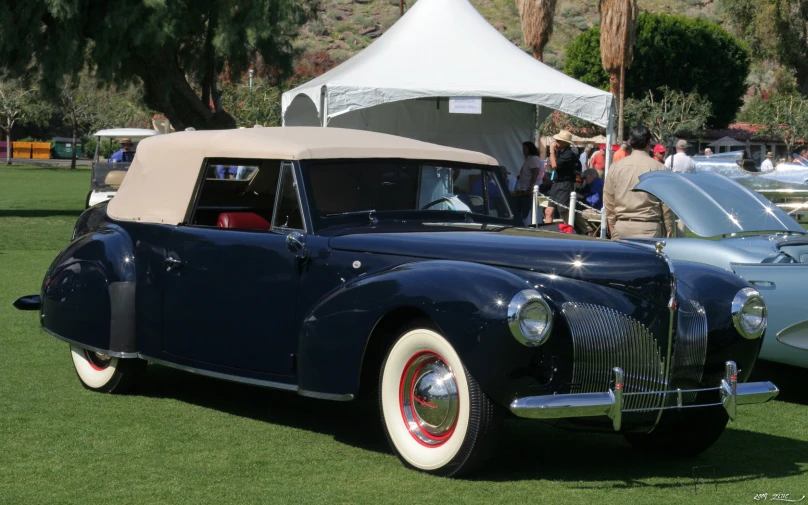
{"x":161,"y":180}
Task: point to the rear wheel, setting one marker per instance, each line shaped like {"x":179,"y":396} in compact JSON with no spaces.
{"x":684,"y":433}
{"x":435,"y":416}
{"x":106,"y":374}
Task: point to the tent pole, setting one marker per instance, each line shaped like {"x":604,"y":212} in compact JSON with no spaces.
{"x":604,"y":226}
{"x":324,"y":106}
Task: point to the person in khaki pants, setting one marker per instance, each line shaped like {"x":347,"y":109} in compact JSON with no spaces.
{"x":635,"y":214}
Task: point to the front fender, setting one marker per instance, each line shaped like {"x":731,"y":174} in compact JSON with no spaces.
{"x":88,"y":295}
{"x":467,"y":301}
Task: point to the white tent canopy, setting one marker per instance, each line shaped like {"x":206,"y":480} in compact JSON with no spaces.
{"x":401,"y":84}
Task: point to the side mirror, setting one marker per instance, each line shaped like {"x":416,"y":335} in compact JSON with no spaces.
{"x":296,"y":243}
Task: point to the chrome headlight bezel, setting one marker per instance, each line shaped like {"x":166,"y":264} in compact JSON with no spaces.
{"x":743,"y":300}
{"x":523,"y":302}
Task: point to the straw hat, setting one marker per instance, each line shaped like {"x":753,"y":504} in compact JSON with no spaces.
{"x":563,"y":136}
{"x":125,"y":141}
{"x":769,"y":154}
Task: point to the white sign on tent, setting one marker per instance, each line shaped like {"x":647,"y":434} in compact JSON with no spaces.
{"x":465,"y":105}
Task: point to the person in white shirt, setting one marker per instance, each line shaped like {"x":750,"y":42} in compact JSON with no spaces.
{"x":531,"y":168}
{"x":529,"y":175}
{"x":680,"y":162}
{"x":767,"y":163}
{"x":584,"y":158}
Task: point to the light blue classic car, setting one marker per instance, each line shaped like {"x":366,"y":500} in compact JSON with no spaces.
{"x":747,"y":235}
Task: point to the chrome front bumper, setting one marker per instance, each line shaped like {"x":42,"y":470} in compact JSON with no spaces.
{"x":610,"y":403}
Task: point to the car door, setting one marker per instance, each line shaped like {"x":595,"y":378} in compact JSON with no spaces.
{"x":231,"y":289}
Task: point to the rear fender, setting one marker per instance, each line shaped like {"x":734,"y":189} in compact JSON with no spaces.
{"x":467,"y":301}
{"x":783,"y":287}
{"x":88,"y":295}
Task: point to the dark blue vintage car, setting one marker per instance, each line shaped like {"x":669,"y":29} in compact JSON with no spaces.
{"x":345,"y":265}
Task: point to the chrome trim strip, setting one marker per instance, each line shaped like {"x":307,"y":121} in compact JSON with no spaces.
{"x":114,"y":354}
{"x":326,"y":396}
{"x":219,"y":375}
{"x":671,"y":328}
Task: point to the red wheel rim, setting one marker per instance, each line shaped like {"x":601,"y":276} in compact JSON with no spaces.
{"x":428,"y":399}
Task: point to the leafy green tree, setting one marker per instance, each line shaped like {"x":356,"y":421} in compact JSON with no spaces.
{"x":668,"y":112}
{"x":773,"y":29}
{"x":19,"y":103}
{"x":84,"y":105}
{"x":783,"y":116}
{"x":249,"y":107}
{"x":177,"y":48}
{"x":687,"y":55}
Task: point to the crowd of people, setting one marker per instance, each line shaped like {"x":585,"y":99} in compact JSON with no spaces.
{"x":566,"y":170}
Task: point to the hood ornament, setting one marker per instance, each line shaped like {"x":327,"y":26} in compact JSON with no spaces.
{"x":659,"y":246}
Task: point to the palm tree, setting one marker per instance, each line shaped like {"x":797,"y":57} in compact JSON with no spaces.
{"x":618,"y":26}
{"x":537,"y":23}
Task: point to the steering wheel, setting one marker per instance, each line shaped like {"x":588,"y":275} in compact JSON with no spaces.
{"x":443,"y":199}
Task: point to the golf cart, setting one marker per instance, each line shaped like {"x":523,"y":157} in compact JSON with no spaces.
{"x":107,"y":174}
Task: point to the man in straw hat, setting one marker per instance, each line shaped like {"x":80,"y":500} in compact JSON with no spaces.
{"x":767,"y":163}
{"x":125,"y":154}
{"x":564,"y":164}
{"x":635,"y":214}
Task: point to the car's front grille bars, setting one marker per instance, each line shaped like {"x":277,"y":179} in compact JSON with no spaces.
{"x":689,"y":349}
{"x":604,"y":338}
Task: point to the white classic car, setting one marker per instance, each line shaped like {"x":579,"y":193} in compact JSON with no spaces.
{"x":751,"y":237}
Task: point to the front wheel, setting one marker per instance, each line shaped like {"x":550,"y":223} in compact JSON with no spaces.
{"x":105,"y":374}
{"x":435,"y":416}
{"x":684,"y":434}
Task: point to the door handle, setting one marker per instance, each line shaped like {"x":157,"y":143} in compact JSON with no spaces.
{"x":173,"y":263}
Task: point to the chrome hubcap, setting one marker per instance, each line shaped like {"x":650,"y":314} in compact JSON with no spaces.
{"x":429,"y":399}
{"x":97,"y":360}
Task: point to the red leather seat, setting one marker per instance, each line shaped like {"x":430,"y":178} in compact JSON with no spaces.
{"x":242,"y":221}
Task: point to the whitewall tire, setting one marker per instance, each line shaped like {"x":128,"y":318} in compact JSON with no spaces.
{"x":105,"y":374}
{"x":434,"y":414}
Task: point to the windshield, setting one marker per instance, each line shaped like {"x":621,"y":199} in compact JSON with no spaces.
{"x":363,"y":186}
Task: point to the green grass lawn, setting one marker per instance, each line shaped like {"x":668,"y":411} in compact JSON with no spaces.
{"x":190,"y":439}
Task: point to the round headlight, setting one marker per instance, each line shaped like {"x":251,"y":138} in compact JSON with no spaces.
{"x":749,"y":313}
{"x":530,"y":318}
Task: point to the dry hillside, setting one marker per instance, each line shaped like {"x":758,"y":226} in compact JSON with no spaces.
{"x":344,"y":27}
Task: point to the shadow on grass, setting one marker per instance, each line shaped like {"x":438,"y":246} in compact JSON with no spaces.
{"x":39,"y":213}
{"x":790,"y":379}
{"x":529,"y":450}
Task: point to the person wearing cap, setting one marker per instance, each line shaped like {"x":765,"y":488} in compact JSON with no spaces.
{"x":598,"y":160}
{"x":767,"y":164}
{"x":659,"y":153}
{"x":125,"y":154}
{"x":564,"y":164}
{"x":680,"y":162}
{"x":621,"y":152}
{"x":638,"y":214}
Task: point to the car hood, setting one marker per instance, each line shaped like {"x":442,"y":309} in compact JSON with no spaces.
{"x":627,"y":267}
{"x":713,"y":204}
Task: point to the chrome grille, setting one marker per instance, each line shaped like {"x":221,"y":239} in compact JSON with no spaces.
{"x":603,"y":338}
{"x":689,"y":349}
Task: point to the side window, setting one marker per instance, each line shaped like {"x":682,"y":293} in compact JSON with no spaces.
{"x":237,"y":194}
{"x":287,"y":209}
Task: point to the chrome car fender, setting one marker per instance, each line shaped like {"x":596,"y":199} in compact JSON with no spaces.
{"x":783,"y":289}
